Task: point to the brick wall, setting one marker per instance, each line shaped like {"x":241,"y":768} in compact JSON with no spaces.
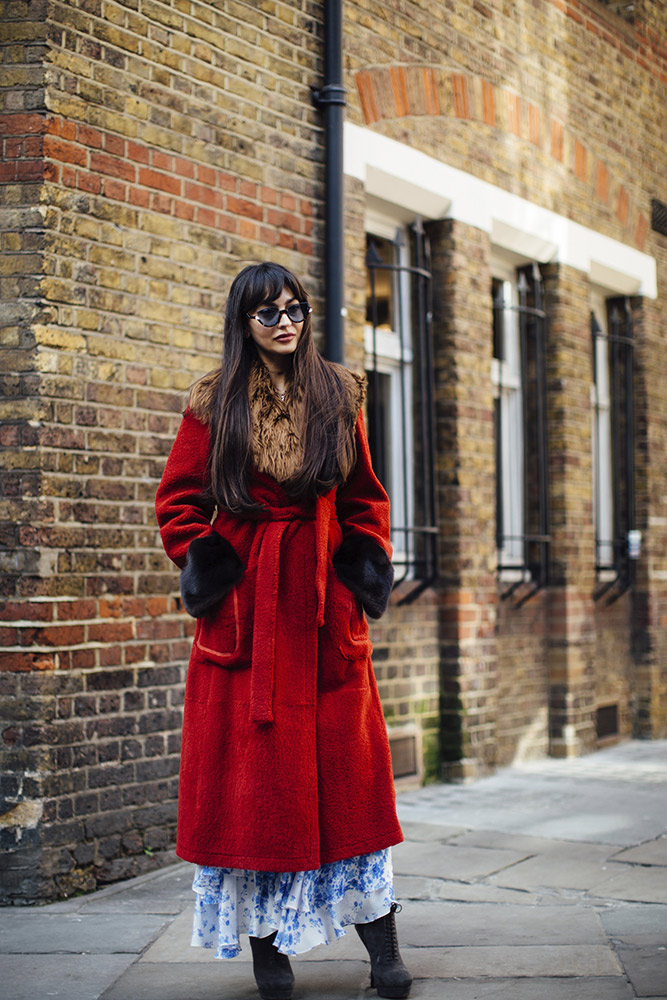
{"x":562,"y":103}
{"x":406,"y":663}
{"x":571,"y":637}
{"x":466,"y":461}
{"x":174,"y":143}
{"x":406,"y":653}
{"x":511,"y":88}
{"x":649,"y":605}
{"x":179,"y":142}
{"x":523,"y":675}
{"x":148,"y":151}
{"x":616,"y":681}
{"x":23,"y":35}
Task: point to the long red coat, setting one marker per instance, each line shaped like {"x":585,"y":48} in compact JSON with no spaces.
{"x":285,"y":762}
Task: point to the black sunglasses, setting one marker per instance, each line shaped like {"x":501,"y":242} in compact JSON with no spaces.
{"x":270,"y":315}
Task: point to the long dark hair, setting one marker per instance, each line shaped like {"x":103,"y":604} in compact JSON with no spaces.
{"x":327,"y":426}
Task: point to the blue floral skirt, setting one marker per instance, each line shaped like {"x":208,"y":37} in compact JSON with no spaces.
{"x":305,"y":908}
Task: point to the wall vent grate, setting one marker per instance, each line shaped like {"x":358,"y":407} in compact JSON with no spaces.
{"x":403,"y":755}
{"x":607,"y":721}
{"x":659,"y":216}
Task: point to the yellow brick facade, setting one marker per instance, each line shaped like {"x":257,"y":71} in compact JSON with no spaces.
{"x":149,"y":150}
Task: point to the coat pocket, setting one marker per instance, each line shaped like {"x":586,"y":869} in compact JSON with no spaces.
{"x":353,"y":639}
{"x":344,"y":647}
{"x":344,"y":621}
{"x":225,"y":637}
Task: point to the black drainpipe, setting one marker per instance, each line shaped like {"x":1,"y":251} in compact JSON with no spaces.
{"x":331,"y":98}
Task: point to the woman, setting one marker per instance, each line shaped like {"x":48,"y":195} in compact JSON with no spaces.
{"x":270,"y":507}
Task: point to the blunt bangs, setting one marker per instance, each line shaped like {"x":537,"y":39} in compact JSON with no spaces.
{"x":265,"y":282}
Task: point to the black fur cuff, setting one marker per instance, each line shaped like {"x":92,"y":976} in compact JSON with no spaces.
{"x":211,"y":569}
{"x":365,"y":569}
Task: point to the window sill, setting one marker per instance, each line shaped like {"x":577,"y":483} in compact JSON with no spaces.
{"x":510,"y":574}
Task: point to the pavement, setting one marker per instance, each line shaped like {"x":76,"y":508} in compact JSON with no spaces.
{"x":545,"y":881}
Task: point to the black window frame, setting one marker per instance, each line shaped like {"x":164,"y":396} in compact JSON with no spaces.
{"x":621,"y":340}
{"x":419,"y":565}
{"x":535,"y":539}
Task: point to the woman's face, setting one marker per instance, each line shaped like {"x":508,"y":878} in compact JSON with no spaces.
{"x":276,"y":344}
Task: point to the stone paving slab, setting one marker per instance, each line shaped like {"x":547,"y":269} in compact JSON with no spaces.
{"x":633,"y":761}
{"x":553,"y":815}
{"x":652,"y":853}
{"x":636,"y":923}
{"x":324,"y":981}
{"x":350,"y":980}
{"x":515,"y":961}
{"x":412,"y":887}
{"x":228,"y":981}
{"x":150,"y":981}
{"x":483,"y":924}
{"x":425,"y":927}
{"x":67,"y":977}
{"x":428,"y":831}
{"x":153,"y":885}
{"x":168,"y":893}
{"x":173,"y":946}
{"x":536,"y":988}
{"x":557,"y":872}
{"x":609,"y":797}
{"x":444,"y":861}
{"x":534,"y":846}
{"x":646,"y":968}
{"x":35,"y":932}
{"x":635,"y":884}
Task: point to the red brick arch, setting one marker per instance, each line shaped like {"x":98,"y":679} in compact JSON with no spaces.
{"x":389,"y":92}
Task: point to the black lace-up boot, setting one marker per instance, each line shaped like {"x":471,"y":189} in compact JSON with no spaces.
{"x":388,"y":974}
{"x":273,"y":972}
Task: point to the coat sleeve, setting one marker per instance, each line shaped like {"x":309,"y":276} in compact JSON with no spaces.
{"x":209,"y":565}
{"x":363,"y":560}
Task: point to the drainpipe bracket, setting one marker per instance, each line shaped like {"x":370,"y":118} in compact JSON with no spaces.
{"x":331,"y":93}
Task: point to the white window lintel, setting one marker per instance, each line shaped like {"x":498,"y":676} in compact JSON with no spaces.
{"x":402,"y":176}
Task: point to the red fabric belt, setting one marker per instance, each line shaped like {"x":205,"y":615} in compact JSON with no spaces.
{"x":275,"y":522}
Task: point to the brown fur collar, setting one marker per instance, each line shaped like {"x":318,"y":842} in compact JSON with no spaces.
{"x":276,"y":437}
{"x":276,"y":426}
